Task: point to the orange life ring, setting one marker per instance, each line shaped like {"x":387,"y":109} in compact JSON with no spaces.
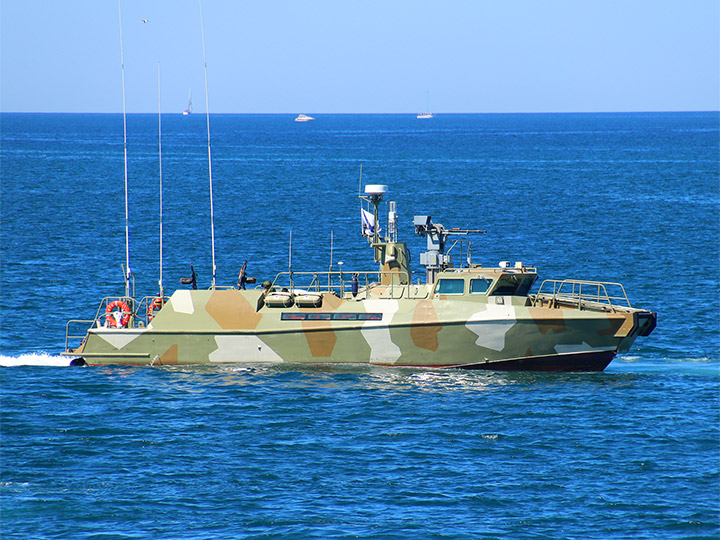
{"x":111,"y":321}
{"x":155,"y":305}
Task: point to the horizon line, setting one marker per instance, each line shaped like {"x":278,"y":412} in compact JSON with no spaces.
{"x":199,"y":113}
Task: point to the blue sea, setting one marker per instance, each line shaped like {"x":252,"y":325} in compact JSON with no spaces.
{"x":291,"y":451}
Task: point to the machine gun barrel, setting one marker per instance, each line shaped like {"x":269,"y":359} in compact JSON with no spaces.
{"x":455,"y":230}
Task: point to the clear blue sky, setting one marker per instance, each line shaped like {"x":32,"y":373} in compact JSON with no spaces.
{"x":369,"y":56}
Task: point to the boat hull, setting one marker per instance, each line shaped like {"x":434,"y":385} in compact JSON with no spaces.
{"x":585,"y":361}
{"x":579,"y":362}
{"x":231,"y":326}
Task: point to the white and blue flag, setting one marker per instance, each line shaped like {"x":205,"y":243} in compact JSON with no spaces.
{"x":368,"y":223}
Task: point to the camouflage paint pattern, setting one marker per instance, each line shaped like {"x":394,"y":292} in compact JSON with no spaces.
{"x":391,"y":323}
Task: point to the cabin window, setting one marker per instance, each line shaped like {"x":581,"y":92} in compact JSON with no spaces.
{"x":450,"y":286}
{"x":479,"y":286}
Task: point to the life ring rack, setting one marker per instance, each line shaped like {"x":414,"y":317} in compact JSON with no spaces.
{"x":123,"y":308}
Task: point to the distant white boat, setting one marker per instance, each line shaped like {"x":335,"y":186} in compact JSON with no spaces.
{"x":189,"y":107}
{"x":303,"y":118}
{"x":427,"y":113}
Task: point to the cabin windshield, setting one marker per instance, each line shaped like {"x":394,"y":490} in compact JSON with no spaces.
{"x":513,"y":285}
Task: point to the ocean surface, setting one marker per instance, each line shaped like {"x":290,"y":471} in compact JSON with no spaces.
{"x":290,"y":451}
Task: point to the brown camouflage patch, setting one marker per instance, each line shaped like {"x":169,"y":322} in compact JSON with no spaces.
{"x":320,"y":337}
{"x":331,"y":301}
{"x":231,"y":310}
{"x":627,"y":326}
{"x":614,"y":326}
{"x":544,"y":322}
{"x":425,"y":335}
{"x":169,"y":357}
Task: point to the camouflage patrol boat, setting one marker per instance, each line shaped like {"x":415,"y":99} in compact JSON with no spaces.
{"x":471,"y":316}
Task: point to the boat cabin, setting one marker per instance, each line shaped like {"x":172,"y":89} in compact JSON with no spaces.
{"x":477,"y":281}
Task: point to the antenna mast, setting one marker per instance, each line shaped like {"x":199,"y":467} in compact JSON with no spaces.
{"x":292,"y":287}
{"x":207,"y":117}
{"x":160,"y":282}
{"x":127,"y":227}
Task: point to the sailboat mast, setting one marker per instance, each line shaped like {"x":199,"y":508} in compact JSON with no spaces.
{"x":207,"y":116}
{"x":127,"y":220}
{"x":160,"y":281}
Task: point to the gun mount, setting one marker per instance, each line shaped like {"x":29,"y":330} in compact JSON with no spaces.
{"x":435,"y":259}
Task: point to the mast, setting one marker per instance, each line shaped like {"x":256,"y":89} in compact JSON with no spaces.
{"x":127,"y":220}
{"x":160,"y":281}
{"x":374,"y":194}
{"x":292,"y":287}
{"x":207,"y":117}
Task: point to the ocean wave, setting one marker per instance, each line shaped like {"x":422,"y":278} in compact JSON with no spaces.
{"x":35,"y":359}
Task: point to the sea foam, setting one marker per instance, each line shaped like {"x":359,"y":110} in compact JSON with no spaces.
{"x":35,"y":359}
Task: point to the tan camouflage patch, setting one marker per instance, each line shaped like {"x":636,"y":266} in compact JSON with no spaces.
{"x":615,"y":324}
{"x":169,"y":357}
{"x":320,"y":337}
{"x":231,"y":310}
{"x":425,"y":335}
{"x":425,"y":312}
{"x":544,"y":322}
{"x":627,"y":326}
{"x":331,"y":301}
{"x":379,"y":290}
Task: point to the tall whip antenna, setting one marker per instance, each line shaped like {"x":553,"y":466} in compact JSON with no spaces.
{"x":207,"y":116}
{"x":160,"y":282}
{"x":290,"y":262}
{"x":127,"y":227}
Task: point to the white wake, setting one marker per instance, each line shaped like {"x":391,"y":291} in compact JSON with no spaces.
{"x":35,"y":359}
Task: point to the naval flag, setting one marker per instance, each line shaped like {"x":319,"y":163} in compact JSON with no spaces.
{"x":368,"y":223}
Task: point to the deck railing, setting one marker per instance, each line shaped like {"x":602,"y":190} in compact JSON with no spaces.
{"x":398,"y":285}
{"x":139,"y":312}
{"x":583,"y":294}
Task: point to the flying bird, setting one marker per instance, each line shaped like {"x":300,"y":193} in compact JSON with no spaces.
{"x":145,"y":20}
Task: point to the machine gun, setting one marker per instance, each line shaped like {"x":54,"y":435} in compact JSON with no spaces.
{"x":435,"y":259}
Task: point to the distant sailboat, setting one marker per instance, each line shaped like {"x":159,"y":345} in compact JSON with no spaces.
{"x":427,"y":113}
{"x":189,"y":107}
